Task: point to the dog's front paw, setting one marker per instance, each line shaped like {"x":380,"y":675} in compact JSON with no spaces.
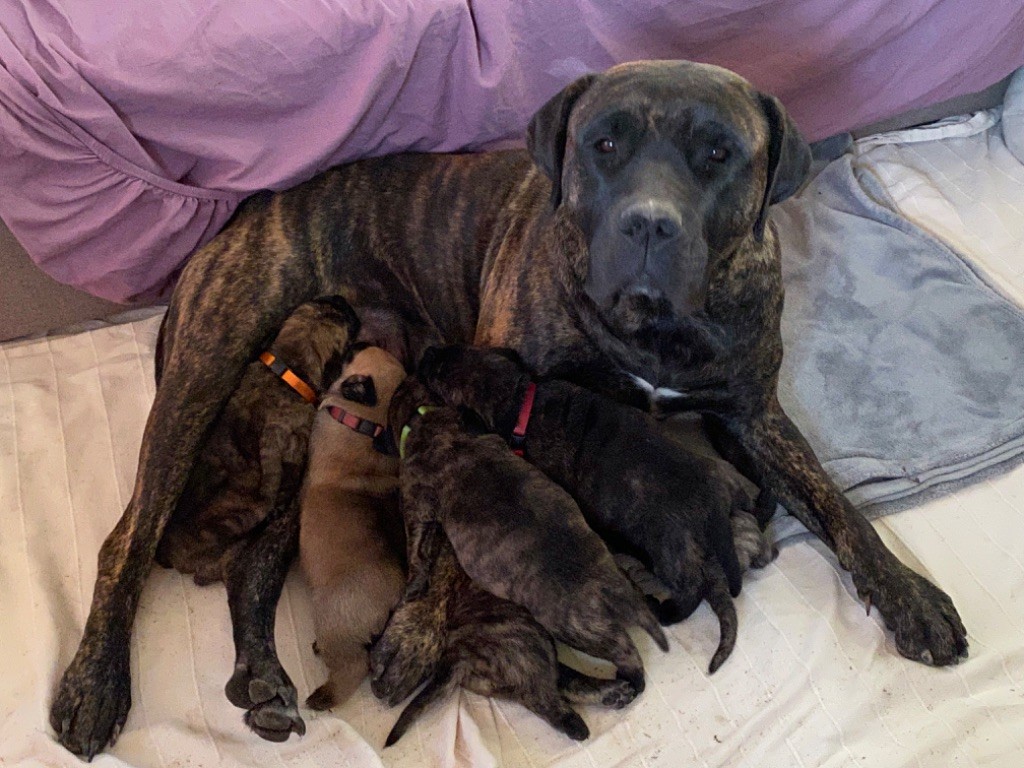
{"x":925,"y":622}
{"x":406,"y":653}
{"x":93,"y":698}
{"x":265,"y":691}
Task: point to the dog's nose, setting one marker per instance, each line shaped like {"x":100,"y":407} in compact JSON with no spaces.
{"x":650,"y":222}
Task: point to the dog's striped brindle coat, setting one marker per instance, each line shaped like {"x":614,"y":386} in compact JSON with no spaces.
{"x":637,"y":215}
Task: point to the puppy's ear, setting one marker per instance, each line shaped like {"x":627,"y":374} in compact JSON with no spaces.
{"x":340,"y":312}
{"x":509,"y":354}
{"x":359,"y":389}
{"x":548,"y":130}
{"x":789,"y":159}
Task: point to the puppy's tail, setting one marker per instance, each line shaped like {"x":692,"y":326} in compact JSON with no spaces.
{"x":725,"y":550}
{"x":649,"y":624}
{"x":721,"y":603}
{"x":439,"y":686}
{"x":348,"y":663}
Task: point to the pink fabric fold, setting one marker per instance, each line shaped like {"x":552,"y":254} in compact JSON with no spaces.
{"x":130,"y":130}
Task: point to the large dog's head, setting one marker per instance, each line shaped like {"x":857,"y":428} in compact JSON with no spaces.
{"x":665,"y":167}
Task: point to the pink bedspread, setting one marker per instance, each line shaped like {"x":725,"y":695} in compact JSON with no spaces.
{"x":130,"y":129}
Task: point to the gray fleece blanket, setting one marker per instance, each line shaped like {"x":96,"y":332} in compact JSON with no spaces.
{"x":903,"y":366}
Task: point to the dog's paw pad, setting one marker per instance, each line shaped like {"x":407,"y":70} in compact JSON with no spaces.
{"x":619,"y":694}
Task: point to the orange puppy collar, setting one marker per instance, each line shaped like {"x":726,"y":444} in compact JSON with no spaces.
{"x":289,"y":377}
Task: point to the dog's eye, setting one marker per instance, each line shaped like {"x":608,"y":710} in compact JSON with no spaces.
{"x":605,"y":146}
{"x":718,"y":154}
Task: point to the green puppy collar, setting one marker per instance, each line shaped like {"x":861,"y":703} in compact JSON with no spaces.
{"x":423,"y":410}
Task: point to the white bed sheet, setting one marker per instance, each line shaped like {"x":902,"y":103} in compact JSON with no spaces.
{"x":812,"y":682}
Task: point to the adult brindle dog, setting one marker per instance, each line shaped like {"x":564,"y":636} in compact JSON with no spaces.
{"x":628,"y":248}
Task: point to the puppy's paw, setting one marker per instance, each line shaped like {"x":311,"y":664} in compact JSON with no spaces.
{"x":265,"y":691}
{"x":93,"y":699}
{"x":617,"y":694}
{"x":584,"y":689}
{"x":572,"y":725}
{"x":927,"y":626}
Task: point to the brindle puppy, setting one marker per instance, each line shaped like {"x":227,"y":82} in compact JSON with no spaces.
{"x":238,"y":519}
{"x":516,"y":534}
{"x":451,"y":633}
{"x":254,"y":460}
{"x":635,"y":224}
{"x":643,"y":492}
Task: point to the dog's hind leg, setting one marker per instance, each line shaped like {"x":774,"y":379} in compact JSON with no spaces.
{"x":553,"y":708}
{"x":232,"y":296}
{"x":610,"y":642}
{"x":584,"y":689}
{"x":254,"y":581}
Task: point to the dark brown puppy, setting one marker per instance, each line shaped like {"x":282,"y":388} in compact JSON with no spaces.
{"x":246,"y":483}
{"x":641,"y":491}
{"x":630,"y":247}
{"x":450,"y":633}
{"x":516,"y":533}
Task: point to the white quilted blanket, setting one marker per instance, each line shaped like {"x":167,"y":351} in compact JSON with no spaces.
{"x":813,"y":682}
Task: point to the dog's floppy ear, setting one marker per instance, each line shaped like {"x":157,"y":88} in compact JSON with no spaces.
{"x":789,"y":159}
{"x":547,"y":133}
{"x":359,"y":389}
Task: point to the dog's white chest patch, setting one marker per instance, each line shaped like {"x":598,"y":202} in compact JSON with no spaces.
{"x":656,"y":394}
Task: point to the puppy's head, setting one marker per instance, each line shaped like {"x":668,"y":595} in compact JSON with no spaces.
{"x":664,"y":167}
{"x":409,"y":396}
{"x":487,"y":381}
{"x":368,"y":381}
{"x":315,"y":339}
{"x":365,"y":387}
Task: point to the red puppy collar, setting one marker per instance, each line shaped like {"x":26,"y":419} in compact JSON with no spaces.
{"x":518,"y":439}
{"x":353,"y":422}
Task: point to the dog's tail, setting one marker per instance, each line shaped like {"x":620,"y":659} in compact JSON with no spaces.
{"x":725,"y":550}
{"x":348,"y":663}
{"x":649,"y":623}
{"x":440,"y":685}
{"x":718,"y":597}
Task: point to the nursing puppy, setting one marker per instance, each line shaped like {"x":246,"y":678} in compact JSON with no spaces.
{"x":350,"y":533}
{"x":254,"y":459}
{"x":615,"y":463}
{"x":516,"y":533}
{"x":238,"y":518}
{"x":451,"y":633}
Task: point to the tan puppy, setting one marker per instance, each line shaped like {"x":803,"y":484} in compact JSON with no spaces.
{"x":351,"y":531}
